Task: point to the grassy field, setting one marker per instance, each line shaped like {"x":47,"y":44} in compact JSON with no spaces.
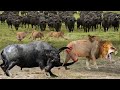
{"x":8,"y":36}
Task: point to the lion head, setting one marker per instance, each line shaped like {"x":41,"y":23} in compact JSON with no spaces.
{"x":106,"y":49}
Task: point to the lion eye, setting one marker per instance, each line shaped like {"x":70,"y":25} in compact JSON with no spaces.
{"x":112,"y":48}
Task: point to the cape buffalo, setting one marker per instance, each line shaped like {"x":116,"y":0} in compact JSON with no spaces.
{"x":35,"y":54}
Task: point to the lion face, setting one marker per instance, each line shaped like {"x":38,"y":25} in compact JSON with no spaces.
{"x":107,"y":50}
{"x":111,"y":49}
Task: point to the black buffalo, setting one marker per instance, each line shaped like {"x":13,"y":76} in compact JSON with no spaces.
{"x":35,"y":54}
{"x":70,"y":23}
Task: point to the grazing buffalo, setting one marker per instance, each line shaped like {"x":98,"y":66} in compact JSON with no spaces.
{"x":35,"y":54}
{"x":92,"y":49}
{"x":70,"y":23}
{"x":42,"y":23}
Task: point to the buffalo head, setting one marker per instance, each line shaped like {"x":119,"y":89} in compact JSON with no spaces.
{"x":54,"y":58}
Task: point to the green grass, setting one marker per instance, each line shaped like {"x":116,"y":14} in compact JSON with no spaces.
{"x":8,"y":36}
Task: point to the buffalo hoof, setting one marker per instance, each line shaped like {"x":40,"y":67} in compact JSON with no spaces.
{"x":3,"y":68}
{"x":66,"y":68}
{"x":58,"y":68}
{"x":7,"y":73}
{"x":53,"y":75}
{"x":21,"y":68}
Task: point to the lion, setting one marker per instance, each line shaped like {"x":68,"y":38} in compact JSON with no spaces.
{"x":36,"y":34}
{"x":21,"y":35}
{"x":57,"y":34}
{"x":92,"y":48}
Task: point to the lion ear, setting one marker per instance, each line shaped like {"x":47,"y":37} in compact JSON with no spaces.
{"x":89,"y":35}
{"x":90,"y":38}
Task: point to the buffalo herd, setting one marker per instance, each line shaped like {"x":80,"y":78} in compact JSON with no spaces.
{"x":88,"y":20}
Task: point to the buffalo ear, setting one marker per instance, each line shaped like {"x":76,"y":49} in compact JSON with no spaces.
{"x":61,"y":49}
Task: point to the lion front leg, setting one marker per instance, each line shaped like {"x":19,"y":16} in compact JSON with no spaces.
{"x":93,"y":53}
{"x":88,"y":64}
{"x":94,"y":62}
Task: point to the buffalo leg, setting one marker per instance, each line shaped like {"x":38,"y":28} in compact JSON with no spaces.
{"x":21,"y":68}
{"x":66,"y":60}
{"x":2,"y":63}
{"x":41,"y":65}
{"x":32,"y":25}
{"x":10,"y":66}
{"x":52,"y":75}
{"x":3,"y":68}
{"x":78,"y":26}
{"x":10,"y":26}
{"x":48,"y":69}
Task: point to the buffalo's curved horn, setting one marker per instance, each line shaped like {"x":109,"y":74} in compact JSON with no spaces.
{"x":63,"y":48}
{"x":66,"y":64}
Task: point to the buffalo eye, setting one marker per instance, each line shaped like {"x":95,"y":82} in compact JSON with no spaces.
{"x":52,"y":60}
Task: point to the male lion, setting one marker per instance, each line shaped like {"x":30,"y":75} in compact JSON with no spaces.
{"x":92,"y":49}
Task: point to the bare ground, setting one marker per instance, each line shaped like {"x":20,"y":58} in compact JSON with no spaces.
{"x":77,"y":71}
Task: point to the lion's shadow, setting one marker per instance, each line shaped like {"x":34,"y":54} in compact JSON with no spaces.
{"x":107,"y":69}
